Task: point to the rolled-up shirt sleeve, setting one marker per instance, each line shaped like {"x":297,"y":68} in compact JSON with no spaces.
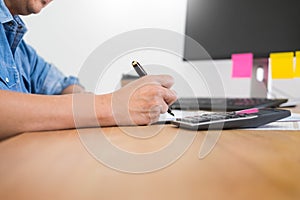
{"x":46,"y":78}
{"x":55,"y":81}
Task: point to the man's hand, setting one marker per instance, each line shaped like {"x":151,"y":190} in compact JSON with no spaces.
{"x":142,"y":101}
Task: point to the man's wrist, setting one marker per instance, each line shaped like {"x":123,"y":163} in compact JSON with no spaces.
{"x":104,"y":111}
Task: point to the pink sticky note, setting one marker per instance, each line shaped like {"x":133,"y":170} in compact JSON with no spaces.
{"x":242,"y":65}
{"x":248,"y":111}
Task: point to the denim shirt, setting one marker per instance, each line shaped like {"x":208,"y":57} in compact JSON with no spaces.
{"x":21,"y":68}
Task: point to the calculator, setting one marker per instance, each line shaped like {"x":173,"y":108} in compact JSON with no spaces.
{"x":231,"y":120}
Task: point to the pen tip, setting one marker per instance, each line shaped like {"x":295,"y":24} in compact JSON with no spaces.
{"x":171,"y":113}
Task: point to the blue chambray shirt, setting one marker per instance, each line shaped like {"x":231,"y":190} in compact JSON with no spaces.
{"x":21,"y":68}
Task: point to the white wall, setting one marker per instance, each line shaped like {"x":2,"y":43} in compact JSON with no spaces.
{"x":66,"y":32}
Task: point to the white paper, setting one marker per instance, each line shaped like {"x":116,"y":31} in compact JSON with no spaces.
{"x":178,"y":114}
{"x":285,"y":126}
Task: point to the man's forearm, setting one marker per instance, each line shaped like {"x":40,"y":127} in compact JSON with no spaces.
{"x":28,"y":112}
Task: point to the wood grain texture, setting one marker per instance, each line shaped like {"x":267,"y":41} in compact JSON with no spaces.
{"x":243,"y":165}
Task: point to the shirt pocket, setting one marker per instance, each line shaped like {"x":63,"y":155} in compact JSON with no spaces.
{"x":8,"y":76}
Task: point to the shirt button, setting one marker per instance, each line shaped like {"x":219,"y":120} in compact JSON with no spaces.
{"x":7,"y":80}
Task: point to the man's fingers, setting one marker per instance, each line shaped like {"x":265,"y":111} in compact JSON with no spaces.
{"x":164,"y":80}
{"x":164,"y":98}
{"x":168,"y":96}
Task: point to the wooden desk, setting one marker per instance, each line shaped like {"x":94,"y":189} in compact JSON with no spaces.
{"x":243,"y":165}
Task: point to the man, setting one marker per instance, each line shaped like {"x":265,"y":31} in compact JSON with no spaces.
{"x":35,"y":95}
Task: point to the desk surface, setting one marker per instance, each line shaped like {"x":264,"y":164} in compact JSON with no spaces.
{"x":243,"y":165}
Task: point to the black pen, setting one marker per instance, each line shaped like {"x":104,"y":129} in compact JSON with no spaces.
{"x":141,"y":72}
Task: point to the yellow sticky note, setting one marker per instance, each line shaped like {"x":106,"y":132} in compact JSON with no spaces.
{"x":297,"y":70}
{"x":282,"y":65}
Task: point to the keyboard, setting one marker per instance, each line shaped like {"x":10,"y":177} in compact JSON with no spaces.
{"x":225,"y":104}
{"x":231,"y":120}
